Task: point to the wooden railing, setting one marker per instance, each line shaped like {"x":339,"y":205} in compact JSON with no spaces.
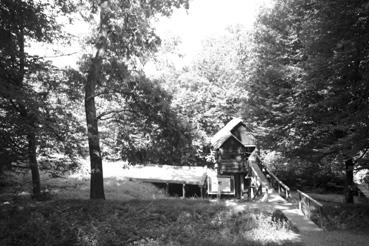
{"x":309,"y":205}
{"x":282,"y":189}
{"x":256,"y":188}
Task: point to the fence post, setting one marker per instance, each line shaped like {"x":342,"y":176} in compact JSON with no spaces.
{"x":218,"y":195}
{"x":167,"y":189}
{"x":267,"y":193}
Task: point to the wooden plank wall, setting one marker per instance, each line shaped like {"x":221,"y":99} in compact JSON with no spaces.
{"x":231,"y":166}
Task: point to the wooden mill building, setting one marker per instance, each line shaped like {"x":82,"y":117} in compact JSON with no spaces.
{"x":233,"y":144}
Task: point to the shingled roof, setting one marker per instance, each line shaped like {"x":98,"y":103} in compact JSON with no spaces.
{"x":247,"y":139}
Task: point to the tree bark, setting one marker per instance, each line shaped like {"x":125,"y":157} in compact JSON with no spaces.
{"x":349,"y":184}
{"x":30,"y":118}
{"x":31,"y":127}
{"x":97,"y":180}
{"x":36,"y":184}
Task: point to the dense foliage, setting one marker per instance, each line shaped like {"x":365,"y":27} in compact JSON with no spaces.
{"x":122,"y":36}
{"x":208,"y":91}
{"x":36,"y":117}
{"x":308,"y":85}
{"x":145,"y":127}
{"x":301,"y":81}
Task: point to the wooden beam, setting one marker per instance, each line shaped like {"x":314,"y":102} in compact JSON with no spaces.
{"x":167,"y":189}
{"x":183,"y":191}
{"x":251,"y":192}
{"x":160,"y":181}
{"x":219,"y":191}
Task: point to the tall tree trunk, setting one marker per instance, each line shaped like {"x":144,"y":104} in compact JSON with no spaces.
{"x":97,"y":180}
{"x":30,"y":118}
{"x":36,"y":184}
{"x":31,"y":127}
{"x":349,"y":184}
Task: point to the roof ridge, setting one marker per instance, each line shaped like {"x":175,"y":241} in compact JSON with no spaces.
{"x":226,"y":132}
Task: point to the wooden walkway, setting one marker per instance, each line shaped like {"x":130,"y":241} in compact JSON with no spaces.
{"x":309,"y":233}
{"x":307,"y":229}
{"x":293,"y":214}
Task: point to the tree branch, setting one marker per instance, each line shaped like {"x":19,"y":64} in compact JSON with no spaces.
{"x":61,"y":55}
{"x":365,"y":151}
{"x":100,"y":117}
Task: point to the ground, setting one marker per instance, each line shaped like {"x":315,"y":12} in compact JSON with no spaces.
{"x":134,"y":214}
{"x":141,"y":214}
{"x":138,"y":222}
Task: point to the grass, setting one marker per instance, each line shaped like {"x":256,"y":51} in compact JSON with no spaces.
{"x":137,"y":222}
{"x":134,"y":214}
{"x":79,"y":188}
{"x":350,"y":217}
{"x":141,"y":214}
{"x":115,"y":189}
{"x":334,"y":198}
{"x":77,"y":185}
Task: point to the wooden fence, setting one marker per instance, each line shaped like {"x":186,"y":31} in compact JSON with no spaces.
{"x":282,"y":189}
{"x":309,"y":205}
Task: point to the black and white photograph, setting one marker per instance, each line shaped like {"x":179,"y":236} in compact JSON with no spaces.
{"x":184,"y":123}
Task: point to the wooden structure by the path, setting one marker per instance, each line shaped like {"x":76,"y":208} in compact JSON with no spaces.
{"x":233,"y":145}
{"x":273,"y":181}
{"x":165,"y":174}
{"x":298,"y":216}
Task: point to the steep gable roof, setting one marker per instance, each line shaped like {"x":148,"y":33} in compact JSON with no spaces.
{"x":247,"y":140}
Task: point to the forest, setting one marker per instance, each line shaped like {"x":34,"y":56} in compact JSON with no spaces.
{"x":298,"y":80}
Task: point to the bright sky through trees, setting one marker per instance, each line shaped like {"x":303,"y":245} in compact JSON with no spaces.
{"x":204,"y":19}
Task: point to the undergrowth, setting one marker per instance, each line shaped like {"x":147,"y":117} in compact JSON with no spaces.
{"x":353,"y":217}
{"x":156,"y":222}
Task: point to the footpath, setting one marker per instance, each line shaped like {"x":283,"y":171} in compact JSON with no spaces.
{"x":309,"y":233}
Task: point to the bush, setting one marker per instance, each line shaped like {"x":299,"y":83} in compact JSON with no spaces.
{"x":298,"y":173}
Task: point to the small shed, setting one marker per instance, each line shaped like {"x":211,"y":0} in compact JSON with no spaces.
{"x":233,"y":144}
